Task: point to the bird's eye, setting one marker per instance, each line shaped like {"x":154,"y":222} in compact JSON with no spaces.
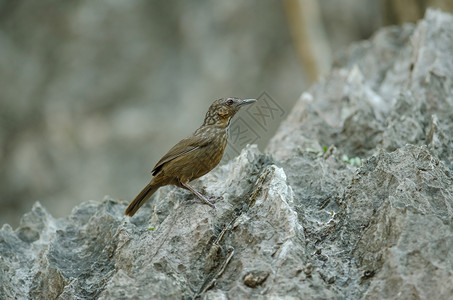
{"x":230,"y":101}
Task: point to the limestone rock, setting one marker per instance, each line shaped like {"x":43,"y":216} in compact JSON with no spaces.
{"x":354,"y":200}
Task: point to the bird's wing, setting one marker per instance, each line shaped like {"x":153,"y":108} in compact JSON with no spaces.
{"x":185,"y":146}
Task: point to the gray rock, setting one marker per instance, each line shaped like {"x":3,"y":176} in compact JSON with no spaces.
{"x":306,"y":220}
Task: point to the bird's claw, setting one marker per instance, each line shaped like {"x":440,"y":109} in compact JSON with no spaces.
{"x":209,"y":202}
{"x":214,"y":200}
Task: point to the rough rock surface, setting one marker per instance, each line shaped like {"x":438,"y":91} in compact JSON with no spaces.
{"x":305,"y":221}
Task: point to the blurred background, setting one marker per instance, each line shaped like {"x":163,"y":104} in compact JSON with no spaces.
{"x":93,"y":93}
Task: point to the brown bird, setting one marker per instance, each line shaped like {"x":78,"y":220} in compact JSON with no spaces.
{"x":194,"y":156}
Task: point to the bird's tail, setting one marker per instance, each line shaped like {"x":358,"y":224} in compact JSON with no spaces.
{"x":140,"y":199}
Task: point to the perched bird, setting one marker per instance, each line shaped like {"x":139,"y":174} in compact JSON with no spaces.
{"x":195,"y":155}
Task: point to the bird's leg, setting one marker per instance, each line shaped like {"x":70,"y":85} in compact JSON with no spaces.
{"x":198,"y":194}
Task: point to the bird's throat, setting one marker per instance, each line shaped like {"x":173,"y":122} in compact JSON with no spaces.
{"x":223,"y":123}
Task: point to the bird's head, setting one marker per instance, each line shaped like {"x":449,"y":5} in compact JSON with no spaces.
{"x":221,"y":111}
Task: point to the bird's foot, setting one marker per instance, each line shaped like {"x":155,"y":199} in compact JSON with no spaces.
{"x":214,"y":200}
{"x":207,"y":201}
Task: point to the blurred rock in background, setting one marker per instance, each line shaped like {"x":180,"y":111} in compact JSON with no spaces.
{"x":93,"y":93}
{"x":322,"y":28}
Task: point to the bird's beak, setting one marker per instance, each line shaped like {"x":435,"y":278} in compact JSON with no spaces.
{"x":247,"y":101}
